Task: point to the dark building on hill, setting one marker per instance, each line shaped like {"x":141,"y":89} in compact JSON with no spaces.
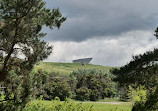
{"x":83,"y":61}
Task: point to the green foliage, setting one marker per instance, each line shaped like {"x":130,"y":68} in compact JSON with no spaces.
{"x":151,"y":103}
{"x":123,"y":93}
{"x":93,"y":85}
{"x":2,"y":97}
{"x":57,"y":98}
{"x":14,"y":100}
{"x":72,"y":69}
{"x":81,"y":85}
{"x":57,"y":87}
{"x":143,"y":69}
{"x":9,"y":106}
{"x":137,"y":94}
{"x":56,"y":106}
{"x":20,"y":34}
{"x":50,"y":86}
{"x":127,"y":106}
{"x":82,"y":93}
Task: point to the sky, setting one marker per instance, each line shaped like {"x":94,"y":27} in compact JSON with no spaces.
{"x":110,"y":31}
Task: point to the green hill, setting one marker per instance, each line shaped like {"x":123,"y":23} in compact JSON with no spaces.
{"x":67,"y":68}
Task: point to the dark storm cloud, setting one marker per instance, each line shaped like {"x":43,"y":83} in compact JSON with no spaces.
{"x":97,"y":18}
{"x":109,"y":52}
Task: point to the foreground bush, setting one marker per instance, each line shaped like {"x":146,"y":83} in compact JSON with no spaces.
{"x":137,"y":94}
{"x":55,"y":105}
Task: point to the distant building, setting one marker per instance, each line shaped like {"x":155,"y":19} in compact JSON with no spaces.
{"x":83,"y":61}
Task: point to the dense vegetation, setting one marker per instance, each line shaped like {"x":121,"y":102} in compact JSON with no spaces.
{"x":88,"y":83}
{"x":40,"y":105}
{"x":84,"y":84}
{"x":56,"y":105}
{"x":93,"y":85}
{"x":141,"y":71}
{"x":21,"y":22}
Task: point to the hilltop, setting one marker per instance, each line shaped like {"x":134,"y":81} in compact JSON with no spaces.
{"x":67,"y":68}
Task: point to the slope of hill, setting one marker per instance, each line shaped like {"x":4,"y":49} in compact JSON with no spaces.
{"x":67,"y":68}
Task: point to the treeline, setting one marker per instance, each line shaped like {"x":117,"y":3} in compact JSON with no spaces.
{"x":80,"y":85}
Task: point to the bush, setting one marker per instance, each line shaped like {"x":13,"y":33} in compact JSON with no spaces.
{"x":82,"y":94}
{"x":57,"y":87}
{"x":95,"y":95}
{"x":10,"y":106}
{"x":55,"y":106}
{"x":93,"y":85}
{"x":138,"y":94}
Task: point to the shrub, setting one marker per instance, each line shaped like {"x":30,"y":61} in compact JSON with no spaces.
{"x":55,"y":106}
{"x":93,"y":85}
{"x":82,"y":93}
{"x":138,"y":94}
{"x":57,"y":87}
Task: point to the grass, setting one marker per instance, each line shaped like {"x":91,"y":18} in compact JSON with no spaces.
{"x":108,"y":104}
{"x":110,"y":100}
{"x":96,"y":106}
{"x":101,"y":100}
{"x":110,"y":107}
{"x":55,"y":105}
{"x":67,"y":68}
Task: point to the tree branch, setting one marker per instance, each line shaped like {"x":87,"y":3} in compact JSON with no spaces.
{"x":7,"y":100}
{"x":27,"y":11}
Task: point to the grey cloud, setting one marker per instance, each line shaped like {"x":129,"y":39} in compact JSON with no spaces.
{"x":97,"y":18}
{"x":116,"y":51}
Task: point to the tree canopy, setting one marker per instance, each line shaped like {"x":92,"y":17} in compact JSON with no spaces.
{"x":21,"y":33}
{"x":21,"y":47}
{"x":143,"y":69}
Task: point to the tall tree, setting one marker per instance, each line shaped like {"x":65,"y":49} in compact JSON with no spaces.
{"x":21,"y":32}
{"x":143,"y":69}
{"x":21,"y":46}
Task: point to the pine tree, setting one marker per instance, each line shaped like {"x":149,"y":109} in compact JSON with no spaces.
{"x":143,"y":69}
{"x":21,"y":47}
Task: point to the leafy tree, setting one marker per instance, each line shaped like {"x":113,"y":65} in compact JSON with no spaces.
{"x":21,"y":22}
{"x":48,"y":86}
{"x":137,"y":94}
{"x":94,"y":84}
{"x":72,"y":83}
{"x":143,"y":69}
{"x":83,"y":93}
{"x":57,"y":87}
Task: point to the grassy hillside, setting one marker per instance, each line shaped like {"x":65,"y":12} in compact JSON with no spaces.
{"x":67,"y":68}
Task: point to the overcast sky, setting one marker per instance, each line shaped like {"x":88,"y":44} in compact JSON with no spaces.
{"x":110,"y":31}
